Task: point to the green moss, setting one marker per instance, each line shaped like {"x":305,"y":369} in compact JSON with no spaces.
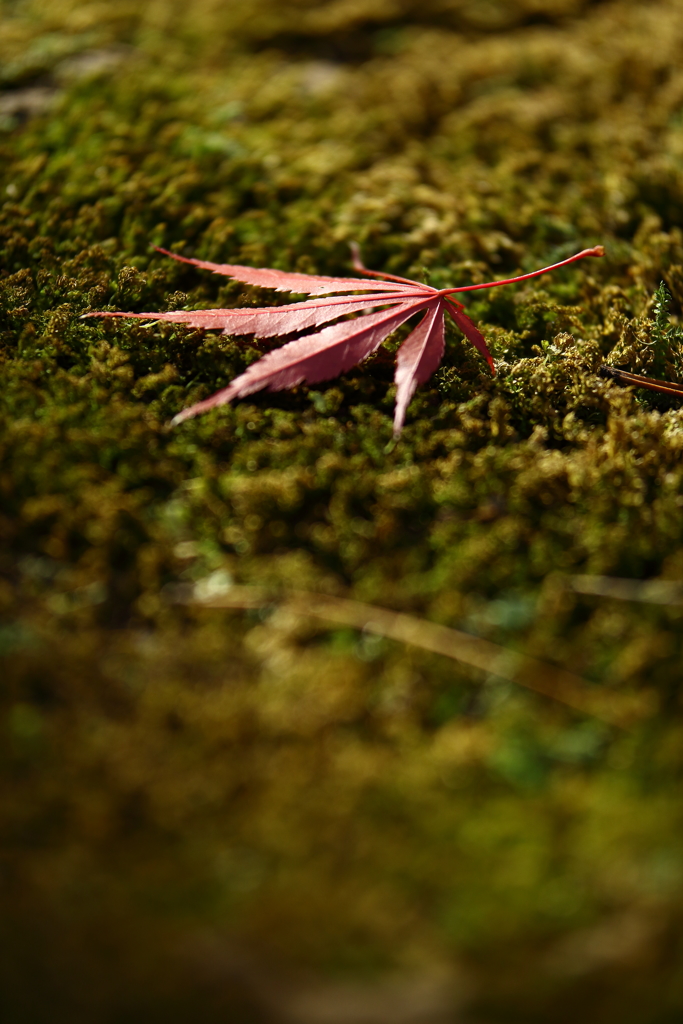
{"x":212,"y":814}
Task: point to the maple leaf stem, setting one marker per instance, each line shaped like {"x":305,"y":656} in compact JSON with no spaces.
{"x":597,"y":250}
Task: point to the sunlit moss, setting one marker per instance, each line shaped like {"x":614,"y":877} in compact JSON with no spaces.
{"x":249,"y":796}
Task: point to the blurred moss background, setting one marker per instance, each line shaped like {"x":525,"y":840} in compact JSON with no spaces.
{"x":251,"y":817}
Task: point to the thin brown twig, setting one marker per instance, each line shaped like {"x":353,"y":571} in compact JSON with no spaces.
{"x":637,"y":380}
{"x":616,"y":709}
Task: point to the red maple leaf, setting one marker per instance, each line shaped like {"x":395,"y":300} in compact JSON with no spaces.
{"x":325,"y":354}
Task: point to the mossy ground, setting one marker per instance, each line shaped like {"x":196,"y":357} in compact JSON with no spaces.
{"x":206,"y":813}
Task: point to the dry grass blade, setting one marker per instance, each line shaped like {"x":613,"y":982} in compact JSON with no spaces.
{"x":558,"y":684}
{"x":648,"y":591}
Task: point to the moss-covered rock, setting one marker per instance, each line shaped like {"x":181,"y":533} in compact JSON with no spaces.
{"x":249,"y":815}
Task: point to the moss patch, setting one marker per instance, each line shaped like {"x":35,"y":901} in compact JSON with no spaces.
{"x":221,"y":813}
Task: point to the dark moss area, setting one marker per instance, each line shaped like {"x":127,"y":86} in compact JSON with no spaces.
{"x":248,"y":816}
